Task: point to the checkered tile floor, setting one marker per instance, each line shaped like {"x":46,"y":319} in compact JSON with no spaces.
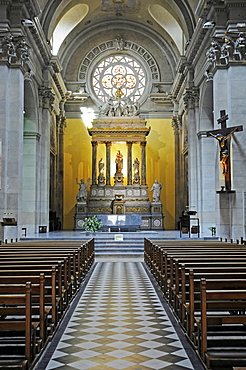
{"x":120,"y":323}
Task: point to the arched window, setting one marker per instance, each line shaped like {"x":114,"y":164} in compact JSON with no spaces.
{"x":119,"y":72}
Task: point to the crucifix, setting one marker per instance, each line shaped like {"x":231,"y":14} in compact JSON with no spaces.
{"x":223,"y":135}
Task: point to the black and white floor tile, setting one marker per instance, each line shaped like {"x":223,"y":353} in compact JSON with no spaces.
{"x":120,"y":323}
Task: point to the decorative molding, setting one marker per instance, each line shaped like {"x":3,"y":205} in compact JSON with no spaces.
{"x":161,"y":98}
{"x":73,"y":96}
{"x":127,"y":45}
{"x":33,"y":8}
{"x":43,"y":48}
{"x":120,"y":5}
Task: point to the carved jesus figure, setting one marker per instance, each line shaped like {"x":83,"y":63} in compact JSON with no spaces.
{"x":224,"y":152}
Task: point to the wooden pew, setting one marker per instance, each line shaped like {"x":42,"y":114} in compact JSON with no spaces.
{"x":13,"y":327}
{"x":52,"y":299}
{"x":229,"y":352}
{"x":83,"y":254}
{"x":192,"y":308}
{"x":190,"y":285}
{"x":21,"y":262}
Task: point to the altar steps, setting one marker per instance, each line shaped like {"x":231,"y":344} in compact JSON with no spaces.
{"x":123,"y":244}
{"x":128,"y":247}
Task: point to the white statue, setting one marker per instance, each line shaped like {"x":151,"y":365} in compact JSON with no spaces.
{"x":156,"y":188}
{"x":82,"y":194}
{"x":107,"y":108}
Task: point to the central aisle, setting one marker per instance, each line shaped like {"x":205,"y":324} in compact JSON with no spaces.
{"x":120,"y":323}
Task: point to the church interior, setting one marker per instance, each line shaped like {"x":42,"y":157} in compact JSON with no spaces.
{"x":122,"y":184}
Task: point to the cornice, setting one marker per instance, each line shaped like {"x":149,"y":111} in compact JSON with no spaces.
{"x":41,"y":43}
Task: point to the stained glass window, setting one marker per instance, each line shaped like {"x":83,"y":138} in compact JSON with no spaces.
{"x":119,"y":72}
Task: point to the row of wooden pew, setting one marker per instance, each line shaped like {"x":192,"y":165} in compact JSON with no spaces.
{"x":38,"y":281}
{"x":205,"y":286}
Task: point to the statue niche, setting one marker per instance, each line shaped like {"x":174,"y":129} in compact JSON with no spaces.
{"x":118,"y":177}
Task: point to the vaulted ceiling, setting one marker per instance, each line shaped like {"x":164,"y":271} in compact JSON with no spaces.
{"x":173,"y":20}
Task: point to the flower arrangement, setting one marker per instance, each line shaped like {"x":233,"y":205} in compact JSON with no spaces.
{"x":92,"y":224}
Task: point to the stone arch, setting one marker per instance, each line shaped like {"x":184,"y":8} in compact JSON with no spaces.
{"x":130,"y":31}
{"x":30,"y":107}
{"x":108,"y":46}
{"x":206,"y":107}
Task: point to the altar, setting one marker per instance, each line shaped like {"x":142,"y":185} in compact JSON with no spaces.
{"x":121,"y":222}
{"x":123,"y":192}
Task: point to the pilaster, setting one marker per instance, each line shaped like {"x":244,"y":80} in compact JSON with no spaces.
{"x":11,"y":133}
{"x":179,"y":175}
{"x":94,"y":162}
{"x":143,"y":168}
{"x":108,"y":163}
{"x":129,"y":163}
{"x":191,"y":99}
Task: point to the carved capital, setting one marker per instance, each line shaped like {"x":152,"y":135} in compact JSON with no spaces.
{"x":61,"y":123}
{"x":47,"y":98}
{"x":228,"y":49}
{"x":191,"y":98}
{"x":13,"y":49}
{"x":176,"y":124}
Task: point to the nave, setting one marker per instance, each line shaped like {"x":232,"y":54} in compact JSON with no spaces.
{"x":119,"y":321}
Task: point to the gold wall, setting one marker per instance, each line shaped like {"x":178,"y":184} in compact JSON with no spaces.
{"x":160,"y":164}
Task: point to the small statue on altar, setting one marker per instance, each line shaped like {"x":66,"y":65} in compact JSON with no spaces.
{"x":101,"y":177}
{"x":119,"y":162}
{"x":82,"y":194}
{"x":136,"y":164}
{"x":101,"y":167}
{"x":156,"y":188}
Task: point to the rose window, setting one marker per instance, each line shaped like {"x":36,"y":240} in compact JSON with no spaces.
{"x":119,"y":74}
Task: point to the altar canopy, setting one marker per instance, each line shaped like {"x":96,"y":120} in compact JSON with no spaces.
{"x":114,"y":193}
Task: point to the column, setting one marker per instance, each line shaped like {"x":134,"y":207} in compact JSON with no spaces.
{"x":11,"y":130}
{"x":108,"y":156}
{"x":94,"y":162}
{"x":60,"y":165}
{"x":190,"y":101}
{"x":180,"y":193}
{"x":143,"y":168}
{"x":129,"y":163}
{"x":46,"y":103}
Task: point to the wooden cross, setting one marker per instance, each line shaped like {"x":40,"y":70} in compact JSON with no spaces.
{"x":223,"y":135}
